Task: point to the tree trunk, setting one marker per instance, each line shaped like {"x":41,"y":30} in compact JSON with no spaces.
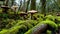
{"x":58,"y":1}
{"x":43,"y":6}
{"x":20,"y":5}
{"x":6,"y":2}
{"x":33,"y":4}
{"x":12,"y":2}
{"x":27,"y":5}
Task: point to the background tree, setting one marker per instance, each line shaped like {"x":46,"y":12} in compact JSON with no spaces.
{"x":33,"y":4}
{"x":43,"y":6}
{"x":27,"y":5}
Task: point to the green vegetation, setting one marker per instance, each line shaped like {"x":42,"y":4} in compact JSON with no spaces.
{"x":27,"y":26}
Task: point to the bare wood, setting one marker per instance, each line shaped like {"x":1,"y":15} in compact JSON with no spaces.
{"x":41,"y":29}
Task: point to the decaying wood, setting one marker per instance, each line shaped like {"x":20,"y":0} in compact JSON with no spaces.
{"x":40,"y":29}
{"x":58,"y":30}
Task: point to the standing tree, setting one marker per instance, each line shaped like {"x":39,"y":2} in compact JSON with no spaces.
{"x":24,"y":6}
{"x":43,"y":6}
{"x":27,"y":5}
{"x":6,"y":2}
{"x":20,"y":5}
{"x":33,"y":4}
{"x":12,"y":2}
{"x":58,"y":1}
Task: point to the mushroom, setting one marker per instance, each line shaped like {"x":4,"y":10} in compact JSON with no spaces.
{"x":14,"y":8}
{"x":31,"y":13}
{"x":5,"y":8}
{"x":23,"y":14}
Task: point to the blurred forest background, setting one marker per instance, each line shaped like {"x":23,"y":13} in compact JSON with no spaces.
{"x":39,"y":5}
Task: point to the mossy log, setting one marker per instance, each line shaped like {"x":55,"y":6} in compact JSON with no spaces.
{"x":38,"y":29}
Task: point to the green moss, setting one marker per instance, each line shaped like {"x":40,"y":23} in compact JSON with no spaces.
{"x":4,"y":31}
{"x":57,"y":20}
{"x":48,"y":32}
{"x":37,"y":15}
{"x":58,"y":25}
{"x":33,"y":22}
{"x":13,"y":30}
{"x":31,"y":31}
{"x":50,"y":17}
{"x":50,"y":23}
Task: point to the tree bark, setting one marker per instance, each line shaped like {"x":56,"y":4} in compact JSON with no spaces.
{"x":6,"y":2}
{"x":27,"y":5}
{"x":33,"y":4}
{"x":43,"y":6}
